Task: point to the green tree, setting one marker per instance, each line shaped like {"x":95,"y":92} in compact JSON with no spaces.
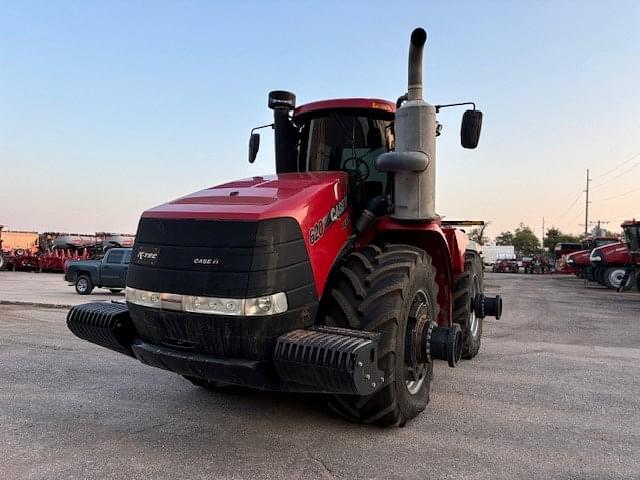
{"x":525,"y":241}
{"x":505,"y":238}
{"x":477,"y":235}
{"x":554,"y":236}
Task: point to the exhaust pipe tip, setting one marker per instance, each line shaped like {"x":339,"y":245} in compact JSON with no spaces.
{"x":416,"y":46}
{"x":418,"y":37}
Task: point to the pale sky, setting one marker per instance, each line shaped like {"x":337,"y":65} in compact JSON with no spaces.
{"x":109,"y":108}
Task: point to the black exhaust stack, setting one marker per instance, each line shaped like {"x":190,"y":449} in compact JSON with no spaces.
{"x":282,"y":103}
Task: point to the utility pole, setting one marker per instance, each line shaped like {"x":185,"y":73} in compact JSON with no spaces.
{"x":586,"y":207}
{"x":543,"y":232}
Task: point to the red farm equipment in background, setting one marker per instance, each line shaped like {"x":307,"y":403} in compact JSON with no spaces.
{"x":560,"y":253}
{"x":49,"y":252}
{"x":615,"y":264}
{"x":505,"y":265}
{"x":580,"y":260}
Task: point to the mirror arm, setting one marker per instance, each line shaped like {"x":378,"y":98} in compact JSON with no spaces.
{"x":438,"y":107}
{"x":263,"y":126}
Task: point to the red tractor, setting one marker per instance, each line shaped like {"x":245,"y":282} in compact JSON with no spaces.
{"x":335,"y":275}
{"x":614,"y":263}
{"x":505,"y":265}
{"x":580,"y":260}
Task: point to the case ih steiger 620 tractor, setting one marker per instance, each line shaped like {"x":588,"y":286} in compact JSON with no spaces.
{"x":336,"y":275}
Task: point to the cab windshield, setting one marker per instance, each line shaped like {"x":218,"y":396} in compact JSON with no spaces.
{"x":346,"y":141}
{"x":607,"y":241}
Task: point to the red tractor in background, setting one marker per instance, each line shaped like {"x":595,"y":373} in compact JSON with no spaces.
{"x":561,"y":251}
{"x":580,"y":261}
{"x":335,"y":275}
{"x":614,"y":264}
{"x":505,"y":265}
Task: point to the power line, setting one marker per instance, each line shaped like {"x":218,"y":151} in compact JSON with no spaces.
{"x":617,"y":176}
{"x":618,"y":196}
{"x":619,"y":165}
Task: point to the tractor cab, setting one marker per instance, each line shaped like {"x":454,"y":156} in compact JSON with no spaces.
{"x":333,"y":135}
{"x":632,"y":235}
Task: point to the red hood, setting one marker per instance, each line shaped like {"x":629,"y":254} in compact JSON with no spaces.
{"x":257,"y":198}
{"x":580,"y":258}
{"x":614,"y":253}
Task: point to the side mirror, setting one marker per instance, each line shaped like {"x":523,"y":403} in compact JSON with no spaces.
{"x":254,"y":145}
{"x":470,"y":128}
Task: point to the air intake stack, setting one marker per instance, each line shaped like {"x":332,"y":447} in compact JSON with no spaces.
{"x":414,"y":158}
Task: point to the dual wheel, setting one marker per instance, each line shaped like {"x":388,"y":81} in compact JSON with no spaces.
{"x":392,"y":290}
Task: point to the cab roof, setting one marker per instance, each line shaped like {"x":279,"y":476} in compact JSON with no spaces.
{"x":352,"y":103}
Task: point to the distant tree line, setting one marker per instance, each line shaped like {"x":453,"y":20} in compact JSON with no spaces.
{"x":526,"y":243}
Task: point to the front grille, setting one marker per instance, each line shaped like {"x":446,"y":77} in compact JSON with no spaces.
{"x":228,"y":259}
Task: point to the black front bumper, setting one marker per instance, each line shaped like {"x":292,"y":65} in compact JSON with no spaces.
{"x":251,"y":373}
{"x":315,"y":359}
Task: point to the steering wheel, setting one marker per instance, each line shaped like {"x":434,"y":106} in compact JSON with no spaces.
{"x":360,"y":168}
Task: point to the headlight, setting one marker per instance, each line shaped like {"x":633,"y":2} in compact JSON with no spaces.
{"x":213,"y":305}
{"x":265,"y":305}
{"x":268,"y":305}
{"x":569,"y":260}
{"x":142,"y":297}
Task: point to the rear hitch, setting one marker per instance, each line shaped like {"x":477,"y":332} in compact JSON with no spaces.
{"x":442,"y":343}
{"x":484,"y":306}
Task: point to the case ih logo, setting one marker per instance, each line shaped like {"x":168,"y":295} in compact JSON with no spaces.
{"x":206,"y":261}
{"x":317,"y":231}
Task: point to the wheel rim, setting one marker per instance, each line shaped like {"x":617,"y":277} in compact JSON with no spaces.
{"x":616,"y":277}
{"x":415,"y":372}
{"x":82,"y":285}
{"x":474,"y":321}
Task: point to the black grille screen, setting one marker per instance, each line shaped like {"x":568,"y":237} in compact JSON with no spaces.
{"x":222,"y":259}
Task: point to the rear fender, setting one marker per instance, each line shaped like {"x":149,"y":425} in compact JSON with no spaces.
{"x":430,"y":238}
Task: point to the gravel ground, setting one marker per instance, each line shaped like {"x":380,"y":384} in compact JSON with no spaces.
{"x":45,"y":289}
{"x":554,"y":393}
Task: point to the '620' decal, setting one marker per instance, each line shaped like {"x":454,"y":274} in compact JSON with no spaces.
{"x":321,"y":226}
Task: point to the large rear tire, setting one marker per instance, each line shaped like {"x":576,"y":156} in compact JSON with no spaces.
{"x":390,"y":290}
{"x":613,"y":278}
{"x":465,"y":287}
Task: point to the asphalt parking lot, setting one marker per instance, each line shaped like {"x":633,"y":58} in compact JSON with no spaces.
{"x":554,"y":393}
